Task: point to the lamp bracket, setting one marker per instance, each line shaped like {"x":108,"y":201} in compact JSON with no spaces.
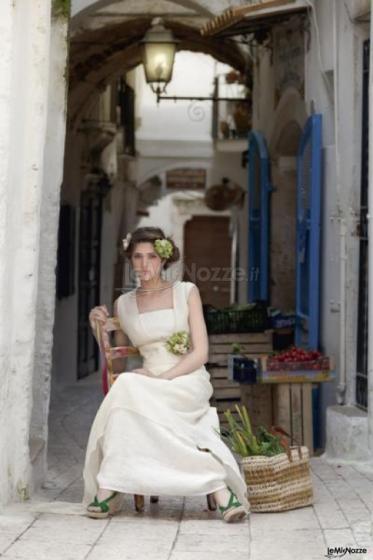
{"x":213,"y":98}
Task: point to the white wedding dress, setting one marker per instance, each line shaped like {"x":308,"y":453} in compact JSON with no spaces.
{"x":150,"y":436}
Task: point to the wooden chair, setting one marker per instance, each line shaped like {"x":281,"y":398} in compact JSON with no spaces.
{"x":109,"y":354}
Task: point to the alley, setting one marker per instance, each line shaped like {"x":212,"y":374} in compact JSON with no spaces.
{"x":53,"y":526}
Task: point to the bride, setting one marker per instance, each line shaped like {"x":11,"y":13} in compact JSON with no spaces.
{"x":155,"y":432}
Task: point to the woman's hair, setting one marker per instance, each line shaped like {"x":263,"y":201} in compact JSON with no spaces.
{"x":149,"y":235}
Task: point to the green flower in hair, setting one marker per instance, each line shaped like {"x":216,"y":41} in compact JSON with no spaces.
{"x":164,"y":248}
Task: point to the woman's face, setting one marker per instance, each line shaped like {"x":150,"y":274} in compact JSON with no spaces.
{"x":146,"y":262}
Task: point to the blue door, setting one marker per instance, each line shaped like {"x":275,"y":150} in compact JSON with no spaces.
{"x":259,"y":188}
{"x":309,"y":176}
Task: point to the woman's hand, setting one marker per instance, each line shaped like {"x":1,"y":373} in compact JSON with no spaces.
{"x":166,"y":375}
{"x":144,"y":371}
{"x":99,"y":313}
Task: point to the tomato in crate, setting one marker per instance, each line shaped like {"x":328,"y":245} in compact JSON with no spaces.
{"x":298,"y":359}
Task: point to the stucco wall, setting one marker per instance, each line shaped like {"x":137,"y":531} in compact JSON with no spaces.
{"x":26,"y":109}
{"x":333,"y":78}
{"x":341,"y":58}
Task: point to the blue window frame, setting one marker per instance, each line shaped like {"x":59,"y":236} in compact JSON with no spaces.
{"x":309,"y":177}
{"x":259,"y":189}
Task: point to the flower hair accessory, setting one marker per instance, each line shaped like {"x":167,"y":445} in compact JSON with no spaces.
{"x":178,"y":343}
{"x":126,"y":241}
{"x":164,"y":248}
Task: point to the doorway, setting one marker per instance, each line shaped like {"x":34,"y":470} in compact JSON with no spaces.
{"x":362,"y":331}
{"x":89,"y":277}
{"x":207,"y":258}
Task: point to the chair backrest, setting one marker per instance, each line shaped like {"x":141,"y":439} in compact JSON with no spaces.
{"x":109,"y":352}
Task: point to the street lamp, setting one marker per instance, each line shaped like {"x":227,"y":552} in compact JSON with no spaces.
{"x":159,"y":46}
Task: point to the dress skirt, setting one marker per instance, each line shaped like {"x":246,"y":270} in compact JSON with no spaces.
{"x":159,"y":437}
{"x":154,"y":436}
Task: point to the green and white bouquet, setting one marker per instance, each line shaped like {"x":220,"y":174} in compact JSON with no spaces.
{"x":164,"y":248}
{"x":178,"y":343}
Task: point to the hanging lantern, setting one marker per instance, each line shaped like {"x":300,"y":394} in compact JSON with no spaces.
{"x":159,"y":47}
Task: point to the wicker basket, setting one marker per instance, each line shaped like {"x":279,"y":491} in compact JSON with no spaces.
{"x":278,"y":483}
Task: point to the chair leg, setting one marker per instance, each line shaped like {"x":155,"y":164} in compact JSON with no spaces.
{"x":211,"y":502}
{"x":139,"y":503}
{"x":154,"y":499}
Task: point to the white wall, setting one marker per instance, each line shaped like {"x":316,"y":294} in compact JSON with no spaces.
{"x":333,"y":59}
{"x":49,"y":216}
{"x":340,"y":65}
{"x":193,"y":74}
{"x":27,"y":192}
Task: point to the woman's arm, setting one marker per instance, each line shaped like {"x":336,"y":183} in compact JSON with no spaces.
{"x":200,"y":346}
{"x":121,"y":339}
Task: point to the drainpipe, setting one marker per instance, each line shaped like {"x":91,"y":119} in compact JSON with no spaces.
{"x":341,"y":387}
{"x":370,"y":253}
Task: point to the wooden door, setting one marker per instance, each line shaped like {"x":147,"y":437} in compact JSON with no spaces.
{"x":207,"y":258}
{"x":89,"y":278}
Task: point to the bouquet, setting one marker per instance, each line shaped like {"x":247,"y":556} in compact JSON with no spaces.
{"x":178,"y":343}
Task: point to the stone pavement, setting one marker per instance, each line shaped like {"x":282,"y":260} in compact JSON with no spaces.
{"x":51,"y":527}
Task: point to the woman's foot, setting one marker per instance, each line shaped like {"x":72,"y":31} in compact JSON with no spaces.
{"x":229,"y":506}
{"x":105,"y":503}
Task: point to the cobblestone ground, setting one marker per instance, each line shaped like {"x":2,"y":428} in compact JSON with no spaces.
{"x":51,"y":527}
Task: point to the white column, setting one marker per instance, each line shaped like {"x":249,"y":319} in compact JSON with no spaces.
{"x":6,"y":60}
{"x":49,"y":218}
{"x":29,"y":161}
{"x":30,"y":68}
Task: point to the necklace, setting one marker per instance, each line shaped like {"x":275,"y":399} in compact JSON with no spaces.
{"x":142,"y":290}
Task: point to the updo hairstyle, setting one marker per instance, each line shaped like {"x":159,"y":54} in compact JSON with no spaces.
{"x":149,"y":235}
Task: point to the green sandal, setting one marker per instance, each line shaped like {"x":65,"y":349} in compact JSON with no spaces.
{"x":234,"y":510}
{"x":100,"y":510}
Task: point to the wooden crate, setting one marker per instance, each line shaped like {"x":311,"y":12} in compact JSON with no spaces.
{"x":227,"y":393}
{"x":288,"y":405}
{"x":258,"y":401}
{"x":292,"y":410}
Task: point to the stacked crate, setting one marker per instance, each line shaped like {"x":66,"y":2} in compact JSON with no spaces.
{"x":227,"y":393}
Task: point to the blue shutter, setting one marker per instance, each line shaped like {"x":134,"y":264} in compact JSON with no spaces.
{"x":259,"y":188}
{"x":309,"y":176}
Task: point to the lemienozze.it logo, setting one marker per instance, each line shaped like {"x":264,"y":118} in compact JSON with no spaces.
{"x":340,"y":551}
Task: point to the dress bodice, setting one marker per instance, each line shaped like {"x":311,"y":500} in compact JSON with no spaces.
{"x":148,"y":331}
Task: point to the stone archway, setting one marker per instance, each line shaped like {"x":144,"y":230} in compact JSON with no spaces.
{"x":84,"y":8}
{"x":98,"y":55}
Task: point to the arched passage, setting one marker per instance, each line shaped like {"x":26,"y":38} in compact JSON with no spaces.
{"x":97,"y":55}
{"x":102,"y":49}
{"x":85,"y":8}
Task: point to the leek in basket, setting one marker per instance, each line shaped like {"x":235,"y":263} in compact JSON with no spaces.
{"x":241,"y":439}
